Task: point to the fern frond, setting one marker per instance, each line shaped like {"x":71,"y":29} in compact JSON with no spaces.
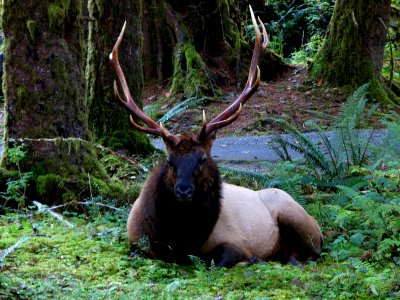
{"x":320,"y":114}
{"x":391,"y":143}
{"x":188,"y":103}
{"x":353,"y":107}
{"x":310,"y":151}
{"x":279,"y":145}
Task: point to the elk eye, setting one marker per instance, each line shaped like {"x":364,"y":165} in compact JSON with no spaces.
{"x":169,"y":162}
{"x":203,"y":160}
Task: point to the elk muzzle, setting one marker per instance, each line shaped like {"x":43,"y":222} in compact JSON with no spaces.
{"x":184,"y":191}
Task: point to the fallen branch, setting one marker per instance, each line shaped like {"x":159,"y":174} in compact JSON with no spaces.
{"x":44,"y":208}
{"x":102,"y":205}
{"x":11,"y":249}
{"x":89,"y":203}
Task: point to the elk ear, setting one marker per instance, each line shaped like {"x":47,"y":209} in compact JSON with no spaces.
{"x":202,"y":136}
{"x":170,"y":140}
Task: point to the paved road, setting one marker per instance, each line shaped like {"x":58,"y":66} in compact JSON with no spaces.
{"x":258,"y":148}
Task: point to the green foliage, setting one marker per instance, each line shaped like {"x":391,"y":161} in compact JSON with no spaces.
{"x":374,"y":203}
{"x":122,"y":185}
{"x":296,"y":26}
{"x":242,"y":177}
{"x":347,"y":147}
{"x":389,"y":148}
{"x":136,"y":142}
{"x":307,"y":51}
{"x":16,"y":187}
{"x":16,"y":155}
{"x":184,"y":105}
{"x":290,"y":178}
{"x":16,"y":190}
{"x":352,"y":188}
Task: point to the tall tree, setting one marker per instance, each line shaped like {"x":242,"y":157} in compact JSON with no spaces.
{"x":44,"y":87}
{"x":108,"y":121}
{"x":352,"y":53}
{"x":199,"y":45}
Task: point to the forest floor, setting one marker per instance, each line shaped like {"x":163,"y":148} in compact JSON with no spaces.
{"x":287,"y":97}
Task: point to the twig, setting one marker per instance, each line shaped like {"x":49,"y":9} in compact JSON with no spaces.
{"x":44,"y":208}
{"x":90,"y":187}
{"x":102,"y":205}
{"x":89,"y":203}
{"x":383,"y":23}
{"x":11,"y":249}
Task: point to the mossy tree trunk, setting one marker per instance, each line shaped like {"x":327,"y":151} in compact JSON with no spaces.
{"x":200,"y":46}
{"x":108,"y":121}
{"x":44,"y":87}
{"x":352,"y":52}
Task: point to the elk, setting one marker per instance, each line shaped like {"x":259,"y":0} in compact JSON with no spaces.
{"x":185,"y":209}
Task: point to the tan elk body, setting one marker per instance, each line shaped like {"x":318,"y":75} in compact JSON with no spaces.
{"x":185,"y":209}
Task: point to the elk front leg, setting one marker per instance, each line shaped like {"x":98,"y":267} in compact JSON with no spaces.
{"x":227,"y":255}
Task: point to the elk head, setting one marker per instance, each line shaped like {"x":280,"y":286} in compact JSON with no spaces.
{"x":189,"y":155}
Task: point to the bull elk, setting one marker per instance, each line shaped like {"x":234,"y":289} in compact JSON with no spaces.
{"x":185,"y":209}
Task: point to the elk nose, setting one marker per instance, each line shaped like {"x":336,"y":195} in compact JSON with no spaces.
{"x":184,"y":192}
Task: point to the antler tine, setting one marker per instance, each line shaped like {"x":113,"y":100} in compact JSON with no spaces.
{"x":232,"y":112}
{"x":134,"y":124}
{"x":153,"y":128}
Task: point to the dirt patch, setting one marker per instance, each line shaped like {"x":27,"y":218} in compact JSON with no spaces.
{"x":285,"y":97}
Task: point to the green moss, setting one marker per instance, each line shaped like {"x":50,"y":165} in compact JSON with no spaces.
{"x":379,"y":94}
{"x":342,"y":59}
{"x":49,"y":184}
{"x":129,"y":139}
{"x":22,"y":95}
{"x":232,"y":35}
{"x":190,"y":73}
{"x":56,"y":12}
{"x":73,"y":172}
{"x":32,"y":28}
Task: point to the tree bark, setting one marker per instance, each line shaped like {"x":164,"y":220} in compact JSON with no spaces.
{"x":202,"y":46}
{"x":44,"y":87}
{"x":108,"y":121}
{"x":352,"y":52}
{"x":44,"y":69}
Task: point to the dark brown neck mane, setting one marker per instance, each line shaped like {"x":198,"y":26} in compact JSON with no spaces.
{"x":182,"y":227}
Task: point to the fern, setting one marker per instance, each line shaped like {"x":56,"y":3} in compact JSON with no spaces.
{"x":302,"y":144}
{"x":388,"y":248}
{"x":389,"y":148}
{"x":188,"y":103}
{"x":346,"y":148}
{"x":287,"y":177}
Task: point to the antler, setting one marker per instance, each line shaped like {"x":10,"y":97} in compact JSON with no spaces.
{"x":153,"y":128}
{"x":232,"y":112}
